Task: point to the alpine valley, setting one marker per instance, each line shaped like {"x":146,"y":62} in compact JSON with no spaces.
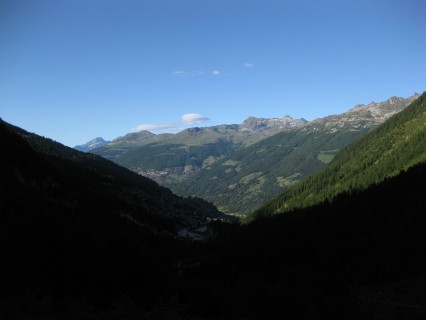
{"x":239,"y":167}
{"x":84,"y":238}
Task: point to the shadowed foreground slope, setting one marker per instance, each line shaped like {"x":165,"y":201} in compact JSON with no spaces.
{"x":320,"y":262}
{"x":68,"y":253}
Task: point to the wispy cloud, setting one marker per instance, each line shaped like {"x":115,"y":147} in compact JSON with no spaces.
{"x":182,"y":73}
{"x":186,"y":120}
{"x":199,"y":73}
{"x":190,"y":119}
{"x":155,"y":127}
{"x":248,"y":65}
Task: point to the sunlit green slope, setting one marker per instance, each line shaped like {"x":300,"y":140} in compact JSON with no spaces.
{"x":395,"y":146}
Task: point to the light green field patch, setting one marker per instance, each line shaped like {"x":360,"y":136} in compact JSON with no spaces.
{"x":257,"y":187}
{"x":209,"y":161}
{"x":232,"y":163}
{"x":246,"y":179}
{"x":325,"y":156}
{"x":285,"y":182}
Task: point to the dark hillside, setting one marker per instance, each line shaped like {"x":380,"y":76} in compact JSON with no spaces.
{"x":78,"y":232}
{"x":319,"y":263}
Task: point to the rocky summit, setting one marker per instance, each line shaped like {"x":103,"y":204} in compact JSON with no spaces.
{"x":92,"y":144}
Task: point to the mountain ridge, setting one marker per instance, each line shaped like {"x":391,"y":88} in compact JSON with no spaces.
{"x":397,"y":144}
{"x":242,"y":181}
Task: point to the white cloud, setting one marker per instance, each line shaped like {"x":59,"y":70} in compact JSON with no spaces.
{"x":193,"y":118}
{"x":199,"y":73}
{"x":181,"y":73}
{"x":248,"y":65}
{"x":154,"y":127}
{"x":188,"y":119}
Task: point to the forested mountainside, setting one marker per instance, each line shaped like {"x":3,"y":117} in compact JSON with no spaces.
{"x":243,"y":181}
{"x":90,"y":176}
{"x":396,"y":145}
{"x":172,"y":158}
{"x":360,"y":256}
{"x":77,"y":231}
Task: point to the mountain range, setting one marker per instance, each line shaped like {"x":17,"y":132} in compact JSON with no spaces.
{"x":396,"y":145}
{"x":238,"y":167}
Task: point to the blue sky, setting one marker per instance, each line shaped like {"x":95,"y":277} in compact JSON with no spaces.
{"x":72,"y":70}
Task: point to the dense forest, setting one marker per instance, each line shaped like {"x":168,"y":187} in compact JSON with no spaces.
{"x":321,"y":262}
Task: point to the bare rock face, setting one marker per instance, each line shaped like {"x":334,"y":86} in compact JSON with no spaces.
{"x":362,"y":116}
{"x":286,"y":122}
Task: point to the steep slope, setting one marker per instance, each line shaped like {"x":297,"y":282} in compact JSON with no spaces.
{"x":86,"y":175}
{"x":77,"y":232}
{"x":241,"y":182}
{"x":172,"y":158}
{"x":396,"y":145}
{"x":322,"y":262}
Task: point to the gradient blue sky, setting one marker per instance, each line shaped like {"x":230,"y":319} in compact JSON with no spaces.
{"x":72,"y":70}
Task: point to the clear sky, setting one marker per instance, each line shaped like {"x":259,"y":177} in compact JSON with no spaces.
{"x":72,"y":70}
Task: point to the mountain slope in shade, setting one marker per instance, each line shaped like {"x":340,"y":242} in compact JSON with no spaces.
{"x":77,"y":230}
{"x":243,"y":181}
{"x":87,"y":176}
{"x":326,"y":261}
{"x":396,"y":145}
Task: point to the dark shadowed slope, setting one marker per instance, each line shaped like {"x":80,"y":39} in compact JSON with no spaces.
{"x":78,"y":232}
{"x":322,"y":262}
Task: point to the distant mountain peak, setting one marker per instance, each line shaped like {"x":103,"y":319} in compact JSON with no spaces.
{"x":135,"y":136}
{"x":92,"y":144}
{"x":286,"y":122}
